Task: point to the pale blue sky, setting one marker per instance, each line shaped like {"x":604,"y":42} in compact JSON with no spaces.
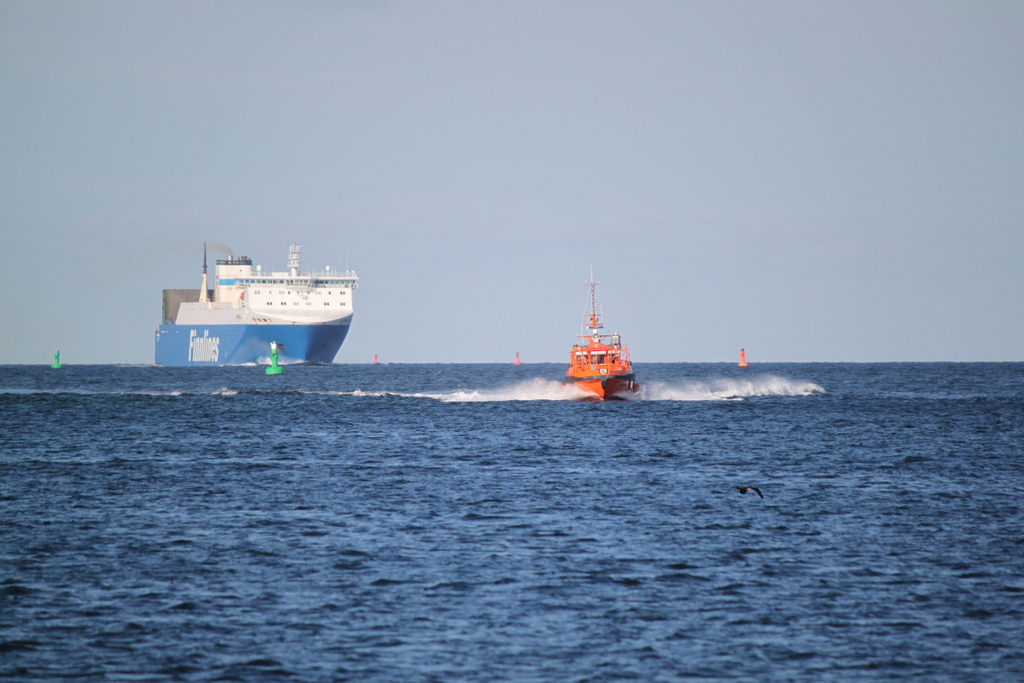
{"x":814,"y":181}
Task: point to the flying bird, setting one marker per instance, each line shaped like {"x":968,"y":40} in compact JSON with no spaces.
{"x":744,"y":489}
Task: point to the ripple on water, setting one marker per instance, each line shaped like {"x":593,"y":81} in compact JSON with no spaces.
{"x":215,"y":529}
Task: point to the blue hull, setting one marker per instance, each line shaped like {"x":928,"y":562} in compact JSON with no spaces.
{"x":183,"y":345}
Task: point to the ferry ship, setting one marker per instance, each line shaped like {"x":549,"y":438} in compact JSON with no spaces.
{"x":602,"y":371}
{"x":307,"y":314}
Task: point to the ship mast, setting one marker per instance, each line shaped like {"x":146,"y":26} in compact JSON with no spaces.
{"x":294,"y":258}
{"x":203,"y":297}
{"x":595,"y":319}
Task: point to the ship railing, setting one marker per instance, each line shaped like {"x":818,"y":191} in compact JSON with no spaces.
{"x":310,"y":280}
{"x":329,"y":274}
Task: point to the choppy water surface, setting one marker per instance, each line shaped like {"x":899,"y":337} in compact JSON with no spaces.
{"x":468,"y":523}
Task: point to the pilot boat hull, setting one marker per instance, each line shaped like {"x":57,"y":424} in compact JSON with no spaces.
{"x":600,"y":370}
{"x":605,"y":387}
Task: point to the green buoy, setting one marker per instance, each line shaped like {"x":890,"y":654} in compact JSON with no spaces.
{"x":274,"y":368}
{"x":56,"y":360}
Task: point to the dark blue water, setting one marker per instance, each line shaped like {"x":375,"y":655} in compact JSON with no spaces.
{"x":463,"y":523}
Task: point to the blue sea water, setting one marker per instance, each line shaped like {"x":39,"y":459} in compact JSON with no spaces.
{"x":468,"y":523}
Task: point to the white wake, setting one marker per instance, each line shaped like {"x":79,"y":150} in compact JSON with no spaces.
{"x":725,"y":389}
{"x":539,"y":389}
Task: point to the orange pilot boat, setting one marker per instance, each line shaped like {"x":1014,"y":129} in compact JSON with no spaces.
{"x":602,"y":371}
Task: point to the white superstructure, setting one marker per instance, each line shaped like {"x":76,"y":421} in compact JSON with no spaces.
{"x":247,"y":296}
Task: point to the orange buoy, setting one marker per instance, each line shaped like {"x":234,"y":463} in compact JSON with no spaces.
{"x":743,"y":359}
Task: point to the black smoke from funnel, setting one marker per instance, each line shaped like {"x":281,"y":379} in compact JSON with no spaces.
{"x":217,"y":246}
